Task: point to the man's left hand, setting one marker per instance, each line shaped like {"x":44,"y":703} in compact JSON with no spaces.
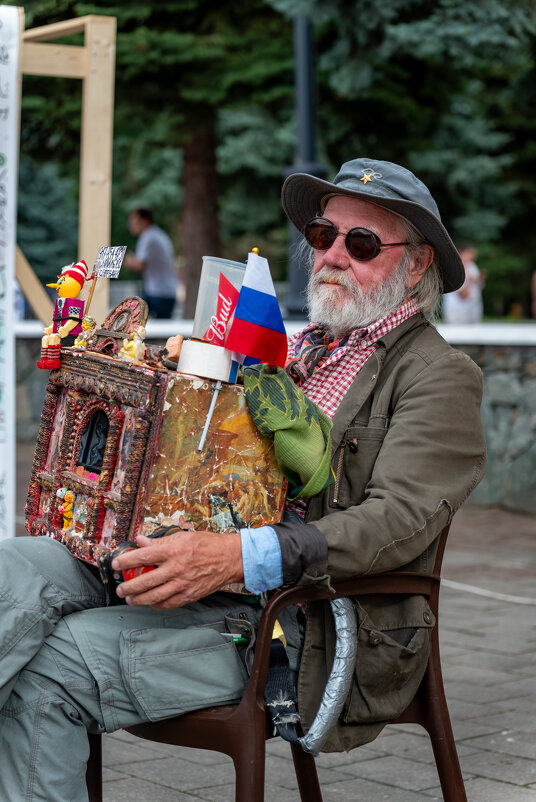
{"x":189,"y":565}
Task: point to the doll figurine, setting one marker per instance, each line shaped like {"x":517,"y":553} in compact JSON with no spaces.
{"x":88,"y":331}
{"x":68,"y":311}
{"x":66,"y":509}
{"x":133,"y":350}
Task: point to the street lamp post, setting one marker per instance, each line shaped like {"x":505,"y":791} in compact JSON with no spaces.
{"x":305,"y":159}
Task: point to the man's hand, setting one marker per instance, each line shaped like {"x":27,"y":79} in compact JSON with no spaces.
{"x":130,"y":262}
{"x":189,"y":565}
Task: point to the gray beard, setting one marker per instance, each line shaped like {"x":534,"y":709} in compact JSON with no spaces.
{"x":361,"y":307}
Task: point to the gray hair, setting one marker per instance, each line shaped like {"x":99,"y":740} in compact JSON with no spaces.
{"x":427,"y":292}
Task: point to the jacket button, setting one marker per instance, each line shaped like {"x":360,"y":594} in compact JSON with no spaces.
{"x":352,"y":445}
{"x":428,"y":617}
{"x":374,"y":638}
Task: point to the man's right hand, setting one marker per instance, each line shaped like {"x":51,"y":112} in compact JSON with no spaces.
{"x":189,"y":565}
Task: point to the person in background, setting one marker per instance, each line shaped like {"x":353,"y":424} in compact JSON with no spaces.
{"x":465,"y":305}
{"x":155,"y":260}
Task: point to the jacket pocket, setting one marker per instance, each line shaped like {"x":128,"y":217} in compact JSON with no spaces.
{"x":168,"y":672}
{"x":391,"y":661}
{"x":353,"y":464}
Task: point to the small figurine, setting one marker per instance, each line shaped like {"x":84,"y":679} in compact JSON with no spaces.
{"x":68,"y":311}
{"x":89,"y":326}
{"x":133,"y":350}
{"x":67,"y":509}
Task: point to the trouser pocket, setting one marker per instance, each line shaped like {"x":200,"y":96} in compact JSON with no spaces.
{"x":168,"y":672}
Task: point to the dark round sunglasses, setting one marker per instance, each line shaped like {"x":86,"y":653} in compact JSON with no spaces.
{"x":361,"y":243}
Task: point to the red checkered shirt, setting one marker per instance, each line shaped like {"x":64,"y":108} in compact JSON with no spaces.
{"x":330,"y":382}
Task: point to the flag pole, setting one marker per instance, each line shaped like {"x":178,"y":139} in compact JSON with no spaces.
{"x":204,"y":433}
{"x":93,"y":280}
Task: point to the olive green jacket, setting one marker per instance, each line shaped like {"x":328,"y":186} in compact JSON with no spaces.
{"x":408,"y":448}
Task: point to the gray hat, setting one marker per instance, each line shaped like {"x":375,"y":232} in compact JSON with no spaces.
{"x":385,"y":184}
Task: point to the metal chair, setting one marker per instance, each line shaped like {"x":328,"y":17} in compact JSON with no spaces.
{"x":241,"y":731}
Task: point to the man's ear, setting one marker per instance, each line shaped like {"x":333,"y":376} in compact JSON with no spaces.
{"x":421,"y":259}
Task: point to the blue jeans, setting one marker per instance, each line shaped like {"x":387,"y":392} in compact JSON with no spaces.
{"x":159,"y":306}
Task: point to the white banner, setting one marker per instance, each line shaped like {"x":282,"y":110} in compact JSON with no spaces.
{"x":9,"y":129}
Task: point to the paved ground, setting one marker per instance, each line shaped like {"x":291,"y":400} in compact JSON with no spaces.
{"x":487,"y":646}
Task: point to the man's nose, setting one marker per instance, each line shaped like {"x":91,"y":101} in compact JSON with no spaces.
{"x":337,"y":255}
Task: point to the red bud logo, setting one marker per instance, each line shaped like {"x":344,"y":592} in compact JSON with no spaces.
{"x":227,"y":299}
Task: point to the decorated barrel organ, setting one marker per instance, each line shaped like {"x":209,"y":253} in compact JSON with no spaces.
{"x":128,"y":443}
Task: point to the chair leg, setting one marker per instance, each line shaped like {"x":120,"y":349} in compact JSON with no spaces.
{"x":94,"y":768}
{"x":437,"y":722}
{"x":447,"y":762}
{"x":306,"y":774}
{"x":249,"y":766}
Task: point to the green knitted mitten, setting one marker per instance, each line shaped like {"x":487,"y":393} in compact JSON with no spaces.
{"x":298,"y":428}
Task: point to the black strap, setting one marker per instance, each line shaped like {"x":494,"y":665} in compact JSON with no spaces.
{"x":68,"y":317}
{"x":280,"y":694}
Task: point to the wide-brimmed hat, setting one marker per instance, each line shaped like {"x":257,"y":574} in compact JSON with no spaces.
{"x":385,"y":184}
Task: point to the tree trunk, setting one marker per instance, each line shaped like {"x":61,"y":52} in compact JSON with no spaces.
{"x":200,"y":225}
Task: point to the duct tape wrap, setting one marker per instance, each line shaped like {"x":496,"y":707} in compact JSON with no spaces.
{"x":340,"y":678}
{"x":206,"y":360}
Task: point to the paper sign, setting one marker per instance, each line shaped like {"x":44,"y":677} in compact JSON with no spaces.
{"x":109,"y":261}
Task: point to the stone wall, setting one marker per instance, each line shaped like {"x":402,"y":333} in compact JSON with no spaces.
{"x":508,"y":411}
{"x":509,"y":415}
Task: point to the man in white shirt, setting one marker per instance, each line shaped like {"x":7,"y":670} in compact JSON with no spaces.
{"x":155,"y":260}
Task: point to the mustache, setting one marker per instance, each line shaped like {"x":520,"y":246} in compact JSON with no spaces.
{"x":331,"y":275}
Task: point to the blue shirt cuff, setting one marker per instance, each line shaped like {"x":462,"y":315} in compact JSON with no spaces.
{"x":261,"y":556}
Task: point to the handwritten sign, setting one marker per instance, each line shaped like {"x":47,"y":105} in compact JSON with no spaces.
{"x":109,"y":261}
{"x":9,"y":115}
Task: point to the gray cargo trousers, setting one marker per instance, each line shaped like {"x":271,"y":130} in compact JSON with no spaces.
{"x":69,"y":665}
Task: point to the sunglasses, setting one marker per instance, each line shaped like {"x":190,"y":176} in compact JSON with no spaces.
{"x":361,"y":243}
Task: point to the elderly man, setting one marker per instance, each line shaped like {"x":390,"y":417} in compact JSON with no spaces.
{"x":408,"y":448}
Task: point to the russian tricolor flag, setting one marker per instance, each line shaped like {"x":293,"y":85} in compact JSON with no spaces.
{"x":257,"y":329}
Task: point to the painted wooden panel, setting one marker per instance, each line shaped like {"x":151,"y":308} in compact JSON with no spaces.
{"x":233,"y":481}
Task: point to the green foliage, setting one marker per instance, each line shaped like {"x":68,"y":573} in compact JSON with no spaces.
{"x":447,"y":87}
{"x":255,"y":148}
{"x":47,"y":227}
{"x":507,"y":289}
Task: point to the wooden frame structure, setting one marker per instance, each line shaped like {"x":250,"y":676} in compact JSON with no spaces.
{"x":94,"y":64}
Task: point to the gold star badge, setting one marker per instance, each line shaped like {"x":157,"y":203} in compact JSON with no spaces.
{"x":369,"y":174}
